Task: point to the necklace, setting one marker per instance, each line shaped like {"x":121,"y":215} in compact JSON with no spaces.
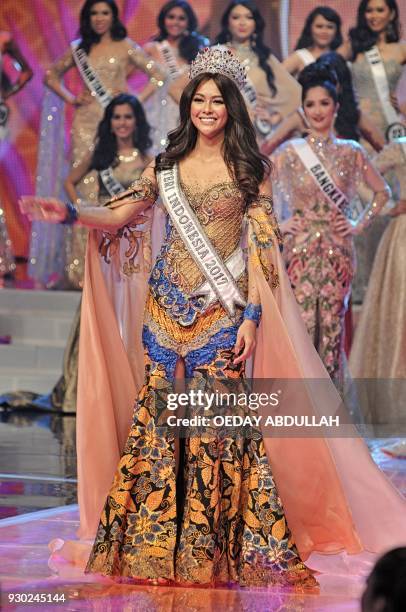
{"x":129,"y":158}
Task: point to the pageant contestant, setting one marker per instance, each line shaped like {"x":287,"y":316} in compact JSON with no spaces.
{"x":378,"y":352}
{"x":119,"y":157}
{"x":318,"y":177}
{"x":270,"y":91}
{"x":377,"y":57}
{"x":174,"y":47}
{"x":225,"y":521}
{"x":8,"y":47}
{"x":349,"y":121}
{"x":104,"y":57}
{"x":321,"y":34}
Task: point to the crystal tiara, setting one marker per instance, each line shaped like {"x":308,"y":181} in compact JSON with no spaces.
{"x":218,"y":60}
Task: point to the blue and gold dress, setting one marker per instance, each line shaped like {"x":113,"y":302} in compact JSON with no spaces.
{"x":219,"y":519}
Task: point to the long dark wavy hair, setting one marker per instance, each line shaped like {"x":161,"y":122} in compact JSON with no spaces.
{"x":306,"y":39}
{"x":332,"y":73}
{"x":257,"y":43}
{"x":363,"y":38}
{"x":87,"y":35}
{"x":105,"y":152}
{"x":191,"y":42}
{"x":245,"y":163}
{"x":348,"y":114}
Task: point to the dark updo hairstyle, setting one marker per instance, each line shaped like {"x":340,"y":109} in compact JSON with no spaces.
{"x":247,"y":166}
{"x":257,"y":44}
{"x":306,"y":39}
{"x":191,"y":42}
{"x":88,"y":35}
{"x":319,"y":75}
{"x":105,"y":152}
{"x":363,"y":38}
{"x":348,"y":114}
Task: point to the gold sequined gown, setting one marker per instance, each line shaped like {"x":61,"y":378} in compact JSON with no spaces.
{"x":113,"y":69}
{"x":367,"y":244}
{"x":379,"y":348}
{"x":221,"y":520}
{"x":321,"y":263}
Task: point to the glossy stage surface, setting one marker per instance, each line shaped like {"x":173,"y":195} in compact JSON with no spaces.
{"x":37,"y":494}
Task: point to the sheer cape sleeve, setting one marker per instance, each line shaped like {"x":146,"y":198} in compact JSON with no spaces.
{"x":111,"y":364}
{"x":329,"y":508}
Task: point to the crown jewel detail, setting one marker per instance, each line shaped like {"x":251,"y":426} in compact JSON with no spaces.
{"x":218,"y":60}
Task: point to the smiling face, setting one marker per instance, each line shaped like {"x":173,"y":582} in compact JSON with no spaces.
{"x":176,"y":22}
{"x":378,"y":15}
{"x":323,"y":32}
{"x":208,"y":111}
{"x":241,"y":23}
{"x":319,"y":108}
{"x":101,"y":18}
{"x":123,"y":121}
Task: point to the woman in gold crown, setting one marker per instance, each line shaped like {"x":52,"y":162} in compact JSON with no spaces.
{"x":209,"y":508}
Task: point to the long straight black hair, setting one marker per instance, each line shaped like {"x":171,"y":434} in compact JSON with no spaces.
{"x":257,"y":43}
{"x":363,"y":38}
{"x":191,"y":42}
{"x":245,"y":163}
{"x":87,"y":35}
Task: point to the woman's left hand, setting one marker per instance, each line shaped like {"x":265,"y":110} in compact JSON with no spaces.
{"x":245,"y":341}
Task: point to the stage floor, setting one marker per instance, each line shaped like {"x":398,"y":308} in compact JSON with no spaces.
{"x":37,"y":488}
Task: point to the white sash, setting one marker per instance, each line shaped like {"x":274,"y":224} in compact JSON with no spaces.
{"x":323,"y":179}
{"x":396,"y":127}
{"x":169,"y":58}
{"x":219,"y":279}
{"x":90,"y":76}
{"x":306,"y":57}
{"x":250,"y":95}
{"x":112,"y":185}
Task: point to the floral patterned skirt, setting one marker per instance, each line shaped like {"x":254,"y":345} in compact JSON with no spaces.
{"x":194,"y":510}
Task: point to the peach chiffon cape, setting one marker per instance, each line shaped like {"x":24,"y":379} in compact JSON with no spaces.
{"x":335,"y":498}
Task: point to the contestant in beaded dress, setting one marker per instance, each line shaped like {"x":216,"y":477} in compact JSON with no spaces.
{"x":174,"y":47}
{"x":113,"y":61}
{"x":380,"y":29}
{"x":378,"y":351}
{"x":319,"y":261}
{"x":277,"y":92}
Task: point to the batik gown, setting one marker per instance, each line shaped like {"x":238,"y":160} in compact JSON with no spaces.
{"x":225,"y":522}
{"x":321,"y":263}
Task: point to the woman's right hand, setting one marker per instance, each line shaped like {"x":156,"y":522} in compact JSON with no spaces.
{"x":293,"y":225}
{"x":38,"y":208}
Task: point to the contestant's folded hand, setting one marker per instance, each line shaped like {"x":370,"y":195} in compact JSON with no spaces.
{"x":39,"y":208}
